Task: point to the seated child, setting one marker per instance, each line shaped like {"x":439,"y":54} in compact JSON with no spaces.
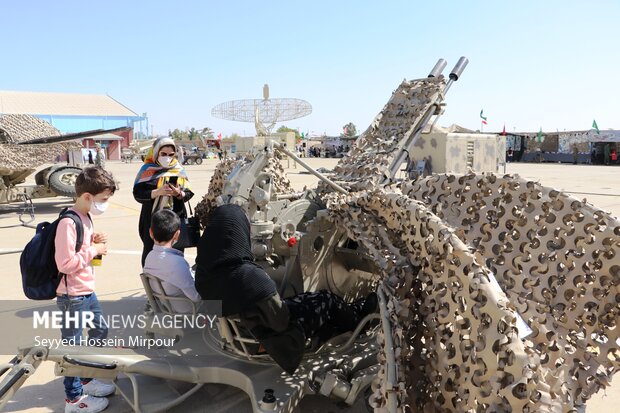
{"x":168,"y":264}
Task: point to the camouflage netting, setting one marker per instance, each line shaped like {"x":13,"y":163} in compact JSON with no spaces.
{"x":557,"y":260}
{"x":216,"y":186}
{"x":441,"y":240}
{"x":22,"y":128}
{"x":368,"y":161}
{"x":455,"y":336}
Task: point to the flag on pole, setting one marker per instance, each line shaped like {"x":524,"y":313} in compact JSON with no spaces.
{"x":504,"y":131}
{"x":595,"y":126}
{"x":484,"y":118}
{"x":539,"y":136}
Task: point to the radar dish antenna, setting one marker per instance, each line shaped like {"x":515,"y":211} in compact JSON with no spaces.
{"x":265,"y":113}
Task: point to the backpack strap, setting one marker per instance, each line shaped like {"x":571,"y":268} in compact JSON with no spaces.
{"x":79,"y":229}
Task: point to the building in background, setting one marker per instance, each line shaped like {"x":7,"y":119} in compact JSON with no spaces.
{"x":71,"y":113}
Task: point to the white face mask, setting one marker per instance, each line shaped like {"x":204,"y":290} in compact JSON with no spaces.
{"x":98,"y":208}
{"x":164,"y":160}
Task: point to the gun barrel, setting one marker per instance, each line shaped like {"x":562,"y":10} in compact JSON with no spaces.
{"x":405,"y":150}
{"x":458,"y":68}
{"x":438,"y":68}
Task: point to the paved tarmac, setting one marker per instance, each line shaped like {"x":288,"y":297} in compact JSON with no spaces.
{"x":118,"y":277}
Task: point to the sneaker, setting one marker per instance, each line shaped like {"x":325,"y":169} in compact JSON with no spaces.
{"x":98,"y":388}
{"x":86,"y":404}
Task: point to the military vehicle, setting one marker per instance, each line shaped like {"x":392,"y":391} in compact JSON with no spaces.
{"x":20,"y":157}
{"x":495,"y":293}
{"x":193,"y":158}
{"x":26,"y":143}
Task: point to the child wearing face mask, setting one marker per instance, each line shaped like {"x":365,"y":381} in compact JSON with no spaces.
{"x":161,"y":183}
{"x":76,"y":291}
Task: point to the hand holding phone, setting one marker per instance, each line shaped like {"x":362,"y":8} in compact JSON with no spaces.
{"x":173,"y":180}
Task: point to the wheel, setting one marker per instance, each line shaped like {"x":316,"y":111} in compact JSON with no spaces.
{"x":189,"y":161}
{"x":62,"y":181}
{"x":198,"y":161}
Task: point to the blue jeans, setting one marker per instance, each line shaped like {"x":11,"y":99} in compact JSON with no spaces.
{"x":74,"y":306}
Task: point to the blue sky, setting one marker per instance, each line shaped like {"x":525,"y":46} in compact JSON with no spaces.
{"x":550,"y":64}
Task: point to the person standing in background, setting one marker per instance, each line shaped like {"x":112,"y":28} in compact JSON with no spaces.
{"x":606,"y":153}
{"x":100,"y":157}
{"x":575,"y":154}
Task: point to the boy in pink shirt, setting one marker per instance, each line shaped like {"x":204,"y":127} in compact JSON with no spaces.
{"x":76,"y":291}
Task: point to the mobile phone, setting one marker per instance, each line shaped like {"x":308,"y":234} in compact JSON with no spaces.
{"x":173,"y":180}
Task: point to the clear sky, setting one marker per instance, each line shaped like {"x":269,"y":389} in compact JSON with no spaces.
{"x":552,"y":64}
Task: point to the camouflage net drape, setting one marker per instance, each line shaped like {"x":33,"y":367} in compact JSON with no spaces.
{"x":439,"y":241}
{"x":22,"y":128}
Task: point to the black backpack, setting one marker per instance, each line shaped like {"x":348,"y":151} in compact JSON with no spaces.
{"x":40,"y":275}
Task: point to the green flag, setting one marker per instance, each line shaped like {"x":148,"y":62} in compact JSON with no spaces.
{"x":539,"y":136}
{"x":595,"y":126}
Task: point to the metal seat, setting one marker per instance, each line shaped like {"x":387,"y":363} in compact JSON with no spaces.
{"x":238,"y":339}
{"x":160,"y":303}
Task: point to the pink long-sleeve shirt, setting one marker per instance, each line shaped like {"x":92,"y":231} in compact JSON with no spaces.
{"x":80,"y":278}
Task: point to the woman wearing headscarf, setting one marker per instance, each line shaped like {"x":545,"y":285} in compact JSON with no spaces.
{"x":226,"y":271}
{"x":160,"y":183}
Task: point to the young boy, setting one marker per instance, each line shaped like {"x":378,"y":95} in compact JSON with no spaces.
{"x":168,"y":264}
{"x":76,"y":291}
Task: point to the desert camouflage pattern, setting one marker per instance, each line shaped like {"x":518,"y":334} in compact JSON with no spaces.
{"x":440,"y":241}
{"x":22,"y":128}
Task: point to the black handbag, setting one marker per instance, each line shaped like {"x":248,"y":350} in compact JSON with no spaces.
{"x":190,"y":231}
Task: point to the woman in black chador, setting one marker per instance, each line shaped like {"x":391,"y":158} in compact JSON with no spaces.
{"x":225,"y":270}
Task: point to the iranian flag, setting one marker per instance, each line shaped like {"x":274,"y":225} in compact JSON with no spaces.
{"x":484,"y":118}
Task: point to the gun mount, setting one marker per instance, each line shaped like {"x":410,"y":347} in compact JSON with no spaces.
{"x":495,"y":293}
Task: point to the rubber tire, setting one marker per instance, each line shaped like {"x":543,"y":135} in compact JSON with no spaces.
{"x":61,"y":188}
{"x":198,"y":161}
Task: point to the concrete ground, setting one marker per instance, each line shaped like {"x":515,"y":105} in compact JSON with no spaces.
{"x":118,"y":277}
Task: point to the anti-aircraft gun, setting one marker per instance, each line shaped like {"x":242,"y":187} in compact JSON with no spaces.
{"x":455,"y":260}
{"x":297,"y":246}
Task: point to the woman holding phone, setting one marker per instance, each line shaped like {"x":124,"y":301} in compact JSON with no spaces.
{"x":161,"y":183}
